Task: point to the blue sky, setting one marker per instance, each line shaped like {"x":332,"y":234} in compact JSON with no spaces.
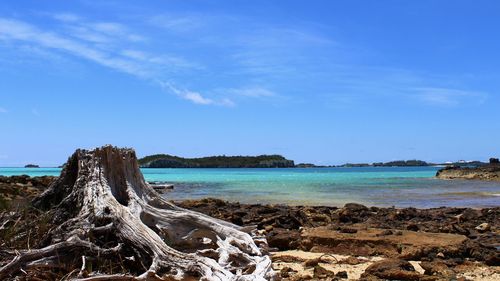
{"x":326,"y":82}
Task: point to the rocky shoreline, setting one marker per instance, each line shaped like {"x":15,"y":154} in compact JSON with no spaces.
{"x":455,"y":239}
{"x":354,"y":242}
{"x":489,"y":173}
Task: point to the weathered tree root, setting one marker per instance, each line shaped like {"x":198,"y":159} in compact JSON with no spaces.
{"x":106,"y":211}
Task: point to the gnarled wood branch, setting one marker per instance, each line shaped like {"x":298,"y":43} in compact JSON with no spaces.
{"x":106,"y":210}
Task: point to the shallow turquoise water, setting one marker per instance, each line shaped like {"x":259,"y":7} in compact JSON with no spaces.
{"x":379,"y":186}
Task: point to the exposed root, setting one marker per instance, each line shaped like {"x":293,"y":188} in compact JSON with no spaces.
{"x":107,"y":212}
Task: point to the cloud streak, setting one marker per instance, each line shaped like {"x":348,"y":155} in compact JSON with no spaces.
{"x":195,"y":97}
{"x":294,"y":60}
{"x":85,"y":45}
{"x":20,"y":31}
{"x":252,"y":92}
{"x":448,"y":97}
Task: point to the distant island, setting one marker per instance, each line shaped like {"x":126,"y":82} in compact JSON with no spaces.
{"x":416,"y":163}
{"x":261,"y":161}
{"x":398,"y":163}
{"x":31,"y":166}
{"x":276,"y":161}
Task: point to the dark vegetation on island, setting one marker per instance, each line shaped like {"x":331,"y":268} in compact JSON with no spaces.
{"x":31,"y":166}
{"x":261,"y":161}
{"x":417,"y":163}
{"x":276,"y":161}
{"x":399,"y":163}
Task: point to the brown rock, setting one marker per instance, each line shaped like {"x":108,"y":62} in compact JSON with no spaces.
{"x":391,"y":269}
{"x":386,"y":232}
{"x":342,"y":274}
{"x":348,"y":230}
{"x":322,"y":273}
{"x":438,"y":268}
{"x":283,"y":239}
{"x":351,"y":260}
{"x":355,"y":207}
{"x":493,"y":259}
{"x":412,"y":227}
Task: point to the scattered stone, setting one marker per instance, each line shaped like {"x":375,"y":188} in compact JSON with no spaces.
{"x":438,"y":268}
{"x":283,"y":239}
{"x":483,"y":227}
{"x":391,"y":269}
{"x":386,"y":232}
{"x":355,"y":207}
{"x":312,"y":262}
{"x":351,"y":260}
{"x":493,"y":259}
{"x":342,"y":274}
{"x":286,"y":271}
{"x":322,"y":273}
{"x":413,"y":227}
{"x":348,"y":230}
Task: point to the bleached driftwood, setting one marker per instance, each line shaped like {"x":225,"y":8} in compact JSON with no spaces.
{"x":106,"y":210}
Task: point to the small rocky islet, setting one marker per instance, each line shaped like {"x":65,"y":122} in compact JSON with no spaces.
{"x":324,"y":243}
{"x":489,"y":172}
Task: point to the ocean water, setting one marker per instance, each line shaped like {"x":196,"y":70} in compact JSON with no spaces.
{"x":373,"y":186}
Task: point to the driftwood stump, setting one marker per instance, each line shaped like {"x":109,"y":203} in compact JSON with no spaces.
{"x":105,"y":211}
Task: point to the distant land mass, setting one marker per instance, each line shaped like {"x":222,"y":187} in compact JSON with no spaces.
{"x":261,"y":161}
{"x":398,"y":163}
{"x":275,"y":161}
{"x":415,"y":163}
{"x":31,"y":166}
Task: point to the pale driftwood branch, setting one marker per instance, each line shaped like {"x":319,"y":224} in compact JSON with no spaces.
{"x":111,"y":277}
{"x":102,"y":193}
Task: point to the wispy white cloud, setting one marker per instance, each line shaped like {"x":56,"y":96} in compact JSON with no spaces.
{"x":113,"y":29}
{"x":66,"y":17}
{"x":162,"y":60}
{"x":134,"y":62}
{"x":277,"y":51}
{"x":16,"y":30}
{"x":195,"y":97}
{"x":176,"y":23}
{"x":448,"y":97}
{"x":355,"y":85}
{"x":252,"y":92}
{"x":97,"y":32}
{"x":274,"y":37}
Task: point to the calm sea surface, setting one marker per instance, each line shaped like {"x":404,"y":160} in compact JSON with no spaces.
{"x":379,"y":186}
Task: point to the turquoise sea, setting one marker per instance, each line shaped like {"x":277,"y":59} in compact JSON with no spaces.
{"x":374,"y":186}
